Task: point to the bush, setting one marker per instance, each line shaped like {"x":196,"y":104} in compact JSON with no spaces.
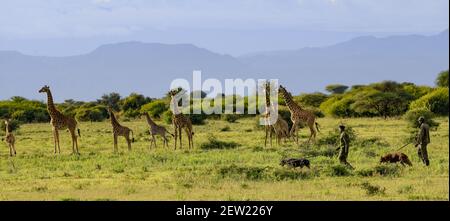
{"x":231,"y":118}
{"x":93,"y":113}
{"x":442,"y":79}
{"x":372,"y":189}
{"x":167,"y":116}
{"x":155,"y":108}
{"x":413,"y":115}
{"x":436,"y":101}
{"x":312,"y":100}
{"x":338,"y":170}
{"x":333,"y":136}
{"x":25,"y":111}
{"x":214,"y":143}
{"x":13,"y":125}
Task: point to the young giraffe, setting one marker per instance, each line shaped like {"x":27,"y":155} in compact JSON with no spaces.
{"x":60,"y":122}
{"x":180,"y":121}
{"x":280,"y":127}
{"x":298,"y":115}
{"x":156,"y":130}
{"x":119,"y":130}
{"x":10,"y":139}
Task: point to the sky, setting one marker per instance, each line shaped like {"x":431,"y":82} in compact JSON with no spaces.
{"x":235,"y":27}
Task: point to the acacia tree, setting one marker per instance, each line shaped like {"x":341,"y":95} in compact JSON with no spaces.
{"x":442,"y":79}
{"x":112,"y":100}
{"x":385,"y":104}
{"x":336,"y":88}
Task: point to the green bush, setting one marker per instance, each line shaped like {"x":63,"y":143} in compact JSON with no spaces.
{"x":91,"y":113}
{"x":332,"y":138}
{"x":155,"y":108}
{"x":23,"y":110}
{"x":338,"y":170}
{"x":167,"y":117}
{"x":436,"y":101}
{"x":231,"y":118}
{"x":413,"y":115}
{"x":13,"y":125}
{"x":312,"y":100}
{"x":214,"y":143}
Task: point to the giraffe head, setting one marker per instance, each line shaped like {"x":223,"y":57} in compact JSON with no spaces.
{"x":281,"y":89}
{"x":44,"y":89}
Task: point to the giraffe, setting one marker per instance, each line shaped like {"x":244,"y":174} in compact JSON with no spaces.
{"x":60,"y":122}
{"x":281,"y":129}
{"x":298,"y":115}
{"x":10,"y":139}
{"x":156,"y":130}
{"x":180,"y":121}
{"x":119,"y":130}
{"x":269,"y":129}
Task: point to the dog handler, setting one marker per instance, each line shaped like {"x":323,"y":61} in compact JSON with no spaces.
{"x":344,"y":142}
{"x":422,"y":140}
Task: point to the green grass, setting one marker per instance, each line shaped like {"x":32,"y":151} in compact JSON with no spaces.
{"x":246,"y":170}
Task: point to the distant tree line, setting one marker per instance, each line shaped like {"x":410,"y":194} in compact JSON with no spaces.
{"x":382,"y":99}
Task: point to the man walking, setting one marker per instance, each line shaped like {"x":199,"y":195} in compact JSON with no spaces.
{"x":422,"y":140}
{"x":344,"y":143}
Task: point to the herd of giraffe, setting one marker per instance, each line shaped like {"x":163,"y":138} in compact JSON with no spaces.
{"x":280,"y":127}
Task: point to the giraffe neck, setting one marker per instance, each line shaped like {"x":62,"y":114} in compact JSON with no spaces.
{"x":50,"y":105}
{"x":7,"y":128}
{"x":174,"y":102}
{"x":290,"y":102}
{"x":114,"y":121}
{"x":149,"y":120}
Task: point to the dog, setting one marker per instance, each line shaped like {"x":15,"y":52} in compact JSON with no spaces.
{"x":292,"y":162}
{"x":396,"y":157}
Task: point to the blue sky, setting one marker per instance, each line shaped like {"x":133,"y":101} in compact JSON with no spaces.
{"x":53,"y":27}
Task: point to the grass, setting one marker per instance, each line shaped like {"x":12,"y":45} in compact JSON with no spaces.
{"x":233,"y":164}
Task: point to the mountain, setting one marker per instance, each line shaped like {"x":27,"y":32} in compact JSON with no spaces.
{"x":412,"y":58}
{"x":149,"y":68}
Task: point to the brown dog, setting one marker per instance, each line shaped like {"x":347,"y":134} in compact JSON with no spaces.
{"x":396,"y":157}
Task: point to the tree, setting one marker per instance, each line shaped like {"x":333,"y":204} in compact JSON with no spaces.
{"x":442,"y":79}
{"x":313,"y":100}
{"x":336,"y":88}
{"x":155,"y":108}
{"x":198,"y":94}
{"x":436,"y":101}
{"x":380,"y":103}
{"x":112,"y":100}
{"x":132,"y":104}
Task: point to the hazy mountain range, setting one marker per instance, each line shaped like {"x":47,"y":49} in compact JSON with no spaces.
{"x":149,"y":68}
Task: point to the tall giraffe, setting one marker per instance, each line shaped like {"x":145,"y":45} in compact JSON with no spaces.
{"x":180,"y":121}
{"x":119,"y":130}
{"x":10,"y":139}
{"x":60,"y":122}
{"x":156,"y":130}
{"x":298,"y":115}
{"x":280,"y":127}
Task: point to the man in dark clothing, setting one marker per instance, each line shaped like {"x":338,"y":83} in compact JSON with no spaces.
{"x":344,"y":142}
{"x":422,"y":140}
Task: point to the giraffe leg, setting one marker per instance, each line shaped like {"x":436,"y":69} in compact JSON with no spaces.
{"x":115,"y":143}
{"x":57,"y":141}
{"x":128,"y":142}
{"x":72,"y":134}
{"x":181,"y":142}
{"x":154,"y":140}
{"x":54,"y":139}
{"x":175,"y":134}
{"x":294,"y":131}
{"x":188,"y":134}
{"x":267,"y":134}
{"x":10,"y":150}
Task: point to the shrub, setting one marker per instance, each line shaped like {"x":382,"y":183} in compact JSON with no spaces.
{"x":214,"y":143}
{"x":95,"y":113}
{"x":13,"y":125}
{"x":313,"y":100}
{"x":231,"y":118}
{"x":413,"y":115}
{"x":436,"y":101}
{"x":155,"y":108}
{"x":372,"y":189}
{"x":167,"y":117}
{"x":387,"y":169}
{"x":442,"y":79}
{"x":338,"y":170}
{"x":333,"y":136}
